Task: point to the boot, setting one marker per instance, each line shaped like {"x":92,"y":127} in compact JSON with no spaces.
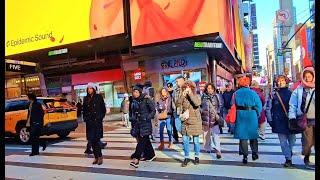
{"x":185,"y":162}
{"x":255,"y":157}
{"x":288,"y":163}
{"x":100,"y":160}
{"x":161,"y":146}
{"x":245,"y":159}
{"x":170,"y":144}
{"x":95,"y":161}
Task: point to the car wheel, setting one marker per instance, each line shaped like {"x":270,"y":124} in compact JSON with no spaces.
{"x":24,"y":135}
{"x":63,"y":134}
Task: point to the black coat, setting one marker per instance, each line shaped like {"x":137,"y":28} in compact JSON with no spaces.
{"x":275,"y":113}
{"x":94,"y":111}
{"x":141,"y":111}
{"x":227,"y":96}
{"x":36,"y":114}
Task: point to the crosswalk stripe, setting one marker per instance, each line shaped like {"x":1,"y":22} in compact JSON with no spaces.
{"x":42,"y":173}
{"x":67,"y":151}
{"x":67,"y":159}
{"x":170,"y":167}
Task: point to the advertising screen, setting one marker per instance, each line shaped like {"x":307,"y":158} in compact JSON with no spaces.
{"x":162,"y":20}
{"x":36,"y":24}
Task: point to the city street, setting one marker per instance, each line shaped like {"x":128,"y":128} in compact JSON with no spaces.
{"x":64,"y":159}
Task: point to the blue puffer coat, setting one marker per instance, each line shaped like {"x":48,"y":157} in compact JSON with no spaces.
{"x":276,"y":116}
{"x":246,"y":125}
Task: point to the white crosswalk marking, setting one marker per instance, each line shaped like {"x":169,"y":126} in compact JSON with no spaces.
{"x":65,"y":160}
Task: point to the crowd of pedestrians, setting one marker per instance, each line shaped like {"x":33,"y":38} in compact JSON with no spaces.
{"x":186,"y":114}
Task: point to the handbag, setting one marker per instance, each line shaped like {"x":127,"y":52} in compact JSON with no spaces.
{"x":185,"y":115}
{"x":219,"y":120}
{"x":299,"y":124}
{"x":232,"y":114}
{"x":164,"y":114}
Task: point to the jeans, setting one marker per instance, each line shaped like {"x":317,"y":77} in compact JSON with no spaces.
{"x":212,"y":139}
{"x":144,"y":146}
{"x":287,"y":143}
{"x":125,"y":119}
{"x":166,"y":123}
{"x":186,"y":148}
{"x":243,"y":147}
{"x":176,"y":124}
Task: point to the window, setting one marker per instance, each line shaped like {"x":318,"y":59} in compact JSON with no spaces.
{"x":17,"y":106}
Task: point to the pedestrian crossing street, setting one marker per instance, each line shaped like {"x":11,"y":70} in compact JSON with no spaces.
{"x":65,"y":160}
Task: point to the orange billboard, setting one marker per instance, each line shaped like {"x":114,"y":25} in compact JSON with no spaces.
{"x":162,"y":20}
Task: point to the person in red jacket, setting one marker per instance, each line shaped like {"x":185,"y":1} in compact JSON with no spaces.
{"x":262,"y":119}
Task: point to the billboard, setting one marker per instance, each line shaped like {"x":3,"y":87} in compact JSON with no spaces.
{"x":155,"y":21}
{"x":36,"y":24}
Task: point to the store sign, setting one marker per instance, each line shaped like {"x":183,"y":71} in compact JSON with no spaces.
{"x":19,"y":68}
{"x":138,"y":74}
{"x":207,"y":45}
{"x":177,"y":63}
{"x":45,"y":24}
{"x":57,"y":52}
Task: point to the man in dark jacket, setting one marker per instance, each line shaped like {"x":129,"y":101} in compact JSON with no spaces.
{"x":227,"y":96}
{"x":141,"y":112}
{"x":35,"y":122}
{"x":94,"y":111}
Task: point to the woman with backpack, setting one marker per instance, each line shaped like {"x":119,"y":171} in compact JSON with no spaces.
{"x":302,"y":108}
{"x":277,"y":116}
{"x":210,"y":119}
{"x":164,"y":115}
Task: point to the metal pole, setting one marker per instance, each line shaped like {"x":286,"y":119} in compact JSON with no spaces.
{"x":214,"y":72}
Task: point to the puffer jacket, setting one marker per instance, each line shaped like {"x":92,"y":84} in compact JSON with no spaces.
{"x":193,"y":125}
{"x":209,"y":110}
{"x":141,"y":111}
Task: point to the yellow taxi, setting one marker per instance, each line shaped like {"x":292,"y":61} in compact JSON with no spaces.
{"x":60,"y":117}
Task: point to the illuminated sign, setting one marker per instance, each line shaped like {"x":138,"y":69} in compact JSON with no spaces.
{"x":19,"y":68}
{"x":36,"y":24}
{"x":57,"y":52}
{"x":208,"y":45}
{"x":155,"y":21}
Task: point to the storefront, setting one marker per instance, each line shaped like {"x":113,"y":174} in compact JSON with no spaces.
{"x":192,"y":66}
{"x":223,"y":77}
{"x":110,"y":86}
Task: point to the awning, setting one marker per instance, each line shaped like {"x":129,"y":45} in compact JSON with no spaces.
{"x":97,"y":76}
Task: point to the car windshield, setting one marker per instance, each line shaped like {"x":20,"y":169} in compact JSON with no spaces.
{"x":56,"y":103}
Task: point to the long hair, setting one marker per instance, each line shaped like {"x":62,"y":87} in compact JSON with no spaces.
{"x":206,"y":88}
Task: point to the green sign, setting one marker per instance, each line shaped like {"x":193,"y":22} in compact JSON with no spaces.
{"x":57,"y":52}
{"x":207,"y":45}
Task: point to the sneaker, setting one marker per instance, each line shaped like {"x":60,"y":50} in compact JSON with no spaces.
{"x":288,"y":163}
{"x":262,"y":138}
{"x":135,"y":164}
{"x":153,"y":158}
{"x":185,"y":162}
{"x":196,"y":161}
{"x":245,"y":160}
{"x":218,"y":154}
{"x":255,"y":157}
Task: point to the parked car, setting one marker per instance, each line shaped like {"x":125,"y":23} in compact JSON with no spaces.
{"x":60,"y":117}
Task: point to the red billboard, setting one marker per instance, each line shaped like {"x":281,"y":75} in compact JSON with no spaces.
{"x":156,"y":20}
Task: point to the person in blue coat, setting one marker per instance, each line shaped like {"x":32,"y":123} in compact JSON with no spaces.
{"x":278,"y":118}
{"x":249,"y":108}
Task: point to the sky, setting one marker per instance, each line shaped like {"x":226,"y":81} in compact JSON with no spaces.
{"x":266,"y":11}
